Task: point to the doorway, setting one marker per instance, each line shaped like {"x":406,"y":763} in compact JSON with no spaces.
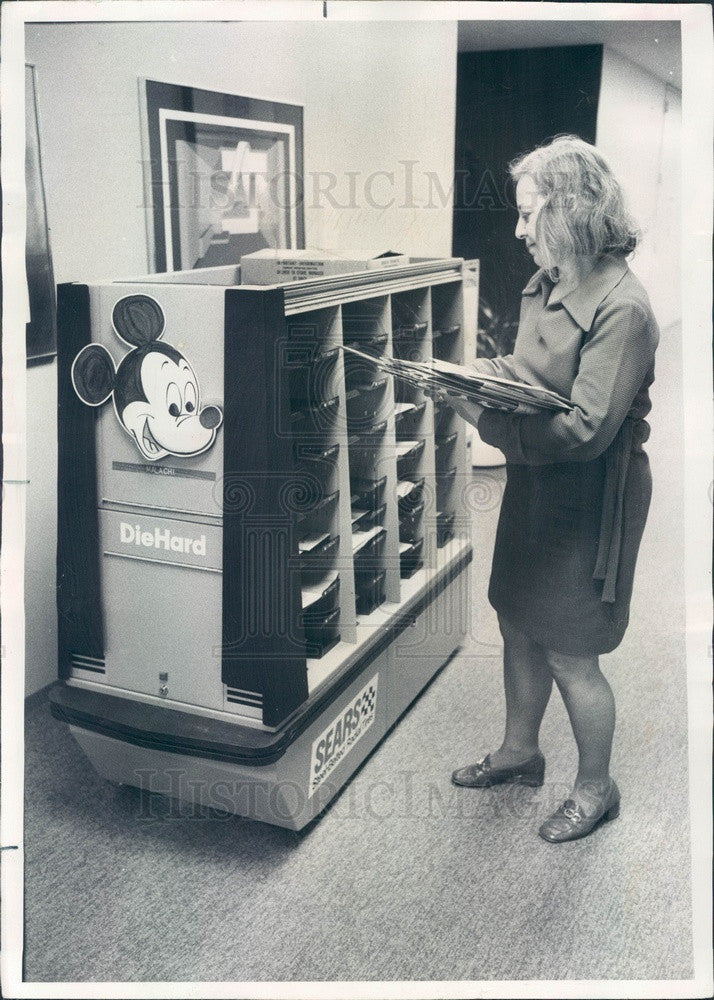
{"x":508,"y":102}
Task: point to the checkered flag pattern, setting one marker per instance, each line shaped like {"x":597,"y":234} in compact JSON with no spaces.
{"x":368,"y":701}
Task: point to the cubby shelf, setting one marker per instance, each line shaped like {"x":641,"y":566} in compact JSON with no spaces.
{"x":329,"y":499}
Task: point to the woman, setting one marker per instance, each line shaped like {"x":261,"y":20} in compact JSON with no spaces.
{"x":578,"y":483}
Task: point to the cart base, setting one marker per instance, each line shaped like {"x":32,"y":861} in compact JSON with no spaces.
{"x":292,"y":790}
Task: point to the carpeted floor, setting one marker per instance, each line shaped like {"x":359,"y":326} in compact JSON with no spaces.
{"x":405,"y":877}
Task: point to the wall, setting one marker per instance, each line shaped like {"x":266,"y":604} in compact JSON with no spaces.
{"x":638,"y":130}
{"x":41,"y":528}
{"x":377,"y":97}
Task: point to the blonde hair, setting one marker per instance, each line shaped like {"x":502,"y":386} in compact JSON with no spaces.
{"x":584,"y":210}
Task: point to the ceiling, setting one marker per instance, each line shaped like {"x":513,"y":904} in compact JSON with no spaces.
{"x":654,"y":45}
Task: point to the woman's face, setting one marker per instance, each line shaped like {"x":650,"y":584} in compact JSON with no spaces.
{"x":529,"y":201}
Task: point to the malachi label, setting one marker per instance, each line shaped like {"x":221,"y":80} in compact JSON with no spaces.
{"x":344,"y":732}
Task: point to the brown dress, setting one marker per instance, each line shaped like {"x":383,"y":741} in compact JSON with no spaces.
{"x":578,"y":484}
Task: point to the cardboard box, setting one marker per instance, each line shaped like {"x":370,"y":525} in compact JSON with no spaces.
{"x":268,"y":267}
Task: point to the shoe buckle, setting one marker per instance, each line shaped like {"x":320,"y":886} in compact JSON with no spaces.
{"x":572,"y":813}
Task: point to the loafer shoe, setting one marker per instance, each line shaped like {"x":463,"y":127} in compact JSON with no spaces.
{"x":569,"y":822}
{"x":482,"y":774}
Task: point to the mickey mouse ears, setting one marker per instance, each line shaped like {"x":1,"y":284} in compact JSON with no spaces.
{"x":138,"y":319}
{"x":93,"y":374}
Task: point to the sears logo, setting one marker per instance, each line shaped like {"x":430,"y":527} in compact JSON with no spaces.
{"x":344,"y":732}
{"x":161,"y":538}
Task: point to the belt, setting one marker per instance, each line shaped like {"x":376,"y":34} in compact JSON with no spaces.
{"x":632,"y":434}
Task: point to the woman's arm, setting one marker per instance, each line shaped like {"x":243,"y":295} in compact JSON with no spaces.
{"x":614,"y":363}
{"x":505,"y":366}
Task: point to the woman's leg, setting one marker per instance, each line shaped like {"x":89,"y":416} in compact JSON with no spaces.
{"x":591,"y":707}
{"x":528,"y":682}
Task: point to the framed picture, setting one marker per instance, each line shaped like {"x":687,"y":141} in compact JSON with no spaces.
{"x":41,"y":331}
{"x":223,"y":175}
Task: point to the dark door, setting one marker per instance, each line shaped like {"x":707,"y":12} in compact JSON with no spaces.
{"x":506,"y":104}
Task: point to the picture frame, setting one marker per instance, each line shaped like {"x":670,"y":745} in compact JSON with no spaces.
{"x":222,"y":175}
{"x":41,"y":329}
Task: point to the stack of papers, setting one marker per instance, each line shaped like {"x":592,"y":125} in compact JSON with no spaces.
{"x":488,"y":390}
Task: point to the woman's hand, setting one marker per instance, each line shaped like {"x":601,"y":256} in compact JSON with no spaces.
{"x":466,"y":408}
{"x":526,"y":410}
{"x":437,"y":395}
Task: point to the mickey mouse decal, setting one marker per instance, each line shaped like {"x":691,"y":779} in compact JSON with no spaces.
{"x":154,"y":389}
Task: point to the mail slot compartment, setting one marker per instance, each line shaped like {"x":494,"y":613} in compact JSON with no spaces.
{"x":409,"y":492}
{"x":315,"y":559}
{"x":444,"y":418}
{"x":365,"y":401}
{"x":442,"y":447}
{"x":325,"y":602}
{"x":444,"y":483}
{"x":363,"y":519}
{"x":408,"y":415}
{"x":370,"y":591}
{"x":319,"y":464}
{"x":311,"y":376}
{"x":367,"y":553}
{"x":410,"y":557}
{"x":410,"y":523}
{"x":444,"y":527}
{"x":314,"y":419}
{"x":366,"y":492}
{"x":409,"y":333}
{"x":321,"y":633}
{"x":408,"y":454}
